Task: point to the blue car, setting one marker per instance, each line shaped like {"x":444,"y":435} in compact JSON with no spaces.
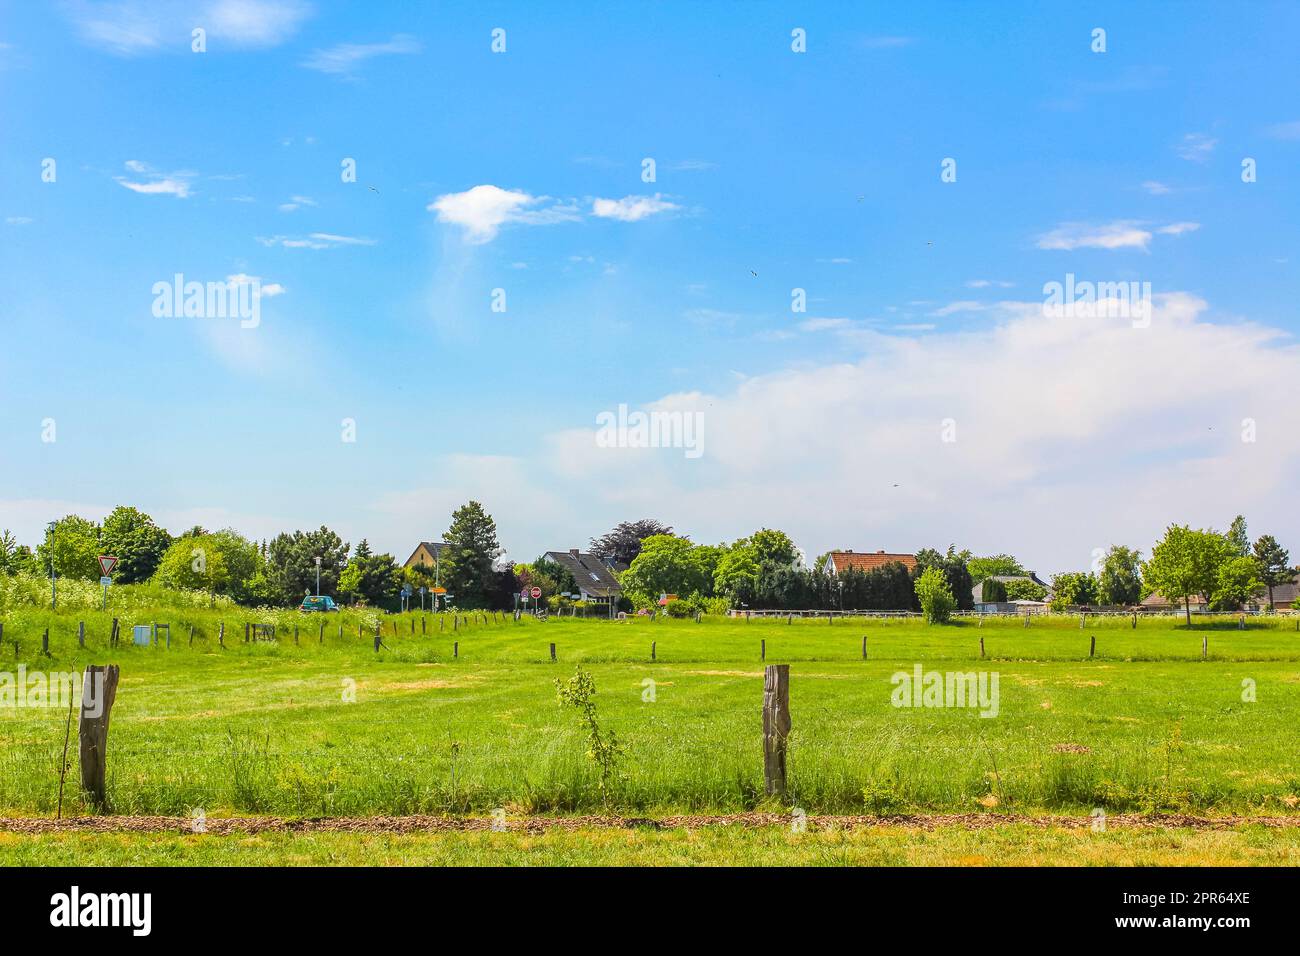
{"x":322,"y":603}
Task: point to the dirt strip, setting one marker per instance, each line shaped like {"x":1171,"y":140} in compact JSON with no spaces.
{"x":437,"y":824}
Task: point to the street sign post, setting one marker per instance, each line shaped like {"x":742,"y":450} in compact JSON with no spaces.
{"x":107,"y":563}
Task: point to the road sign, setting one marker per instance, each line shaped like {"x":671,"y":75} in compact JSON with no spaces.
{"x":536,"y":592}
{"x":406,"y":590}
{"x":106,"y":580}
{"x":106,"y":564}
{"x":524,"y":594}
{"x":438,"y":590}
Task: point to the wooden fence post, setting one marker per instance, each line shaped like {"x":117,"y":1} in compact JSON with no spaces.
{"x":221,"y":634}
{"x":864,"y":647}
{"x":762,"y":649}
{"x":455,"y":648}
{"x":552,"y":652}
{"x":114,"y":634}
{"x":81,"y":633}
{"x":1092,"y":647}
{"x":1205,"y":645}
{"x":981,"y":647}
{"x":652,"y":650}
{"x":320,"y":638}
{"x":191,"y":635}
{"x":98,"y":691}
{"x":45,"y":642}
{"x":1135,"y":620}
{"x":776,"y":726}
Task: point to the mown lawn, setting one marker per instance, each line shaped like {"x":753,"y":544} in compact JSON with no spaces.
{"x":1145,"y":725}
{"x":1009,"y":845}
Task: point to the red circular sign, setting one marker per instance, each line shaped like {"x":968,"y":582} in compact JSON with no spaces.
{"x":536,"y":591}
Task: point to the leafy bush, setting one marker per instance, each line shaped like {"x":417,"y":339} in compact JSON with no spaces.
{"x":937,"y":602}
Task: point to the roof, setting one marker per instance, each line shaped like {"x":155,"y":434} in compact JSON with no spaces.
{"x":1284,"y":595}
{"x":868,"y":560}
{"x":1155,"y":599}
{"x":590,"y":573}
{"x":432,"y":547}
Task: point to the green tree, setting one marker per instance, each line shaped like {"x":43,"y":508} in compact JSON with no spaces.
{"x":1073,"y":588}
{"x":668,"y":564}
{"x":737,"y":572}
{"x":8,"y":552}
{"x":195,"y":563}
{"x":76,"y":549}
{"x":1237,"y":537}
{"x":993,"y":591}
{"x":774,"y":548}
{"x":373,"y":579}
{"x":1186,"y":562}
{"x":1120,"y":581}
{"x":1238,"y":581}
{"x":1274,"y":564}
{"x":982,"y":568}
{"x":953,"y":565}
{"x":1025,"y":590}
{"x":131,"y":536}
{"x":471,"y":550}
{"x":291,"y":563}
{"x":935,"y":596}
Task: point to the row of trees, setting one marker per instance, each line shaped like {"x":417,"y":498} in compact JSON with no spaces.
{"x":278,"y":572}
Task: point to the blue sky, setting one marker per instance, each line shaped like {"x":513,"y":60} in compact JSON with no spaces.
{"x":775,"y":171}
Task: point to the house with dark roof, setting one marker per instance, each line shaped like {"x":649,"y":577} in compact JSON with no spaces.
{"x":426,"y":553}
{"x":866,"y":560}
{"x":596,"y":582}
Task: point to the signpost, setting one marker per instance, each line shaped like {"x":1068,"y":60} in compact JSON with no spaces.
{"x":106,"y":565}
{"x":406,"y":596}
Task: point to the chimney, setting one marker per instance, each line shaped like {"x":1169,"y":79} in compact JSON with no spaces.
{"x":881,"y":551}
{"x":573,"y":551}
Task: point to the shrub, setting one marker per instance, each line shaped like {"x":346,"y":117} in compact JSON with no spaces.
{"x":937,"y":602}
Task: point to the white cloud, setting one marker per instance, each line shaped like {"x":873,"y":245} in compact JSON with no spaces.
{"x":156,"y":183}
{"x":296,"y":202}
{"x":315,"y":240}
{"x":1178,"y":228}
{"x":1122,"y":234}
{"x":18,"y":220}
{"x":631,"y":208}
{"x":1196,"y":147}
{"x":268,"y":290}
{"x":346,"y":58}
{"x":482,"y":210}
{"x":136,"y":27}
{"x":988,"y":283}
{"x":1156,"y":188}
{"x":874,"y":421}
{"x":824,"y":324}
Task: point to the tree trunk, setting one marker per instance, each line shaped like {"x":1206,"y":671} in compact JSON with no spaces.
{"x":1187,"y":606}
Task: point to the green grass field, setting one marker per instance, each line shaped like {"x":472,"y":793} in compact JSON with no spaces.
{"x":332,"y":728}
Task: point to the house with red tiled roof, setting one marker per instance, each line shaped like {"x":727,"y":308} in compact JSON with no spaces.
{"x":866,"y":560}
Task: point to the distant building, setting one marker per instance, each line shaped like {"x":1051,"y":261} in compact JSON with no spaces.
{"x":426,"y":553}
{"x":596,"y":582}
{"x":977,"y":592}
{"x":866,"y":560}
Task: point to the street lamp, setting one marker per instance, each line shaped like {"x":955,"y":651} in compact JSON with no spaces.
{"x":54,"y":591}
{"x":318,"y":576}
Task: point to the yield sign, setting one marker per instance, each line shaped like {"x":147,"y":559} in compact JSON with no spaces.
{"x":107,"y":564}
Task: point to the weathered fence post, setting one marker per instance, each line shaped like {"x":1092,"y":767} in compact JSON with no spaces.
{"x":776,"y":726}
{"x":423,"y":628}
{"x":114,"y":634}
{"x":221,"y":634}
{"x":864,"y":647}
{"x":1092,"y":646}
{"x":762,"y":649}
{"x":81,"y":633}
{"x":1135,"y":620}
{"x":1082,"y":618}
{"x":320,"y":637}
{"x":455,"y":648}
{"x":45,"y":642}
{"x":98,"y":691}
{"x":1205,"y":645}
{"x":981,"y":647}
{"x":191,"y":635}
{"x":652,"y":650}
{"x":552,"y":652}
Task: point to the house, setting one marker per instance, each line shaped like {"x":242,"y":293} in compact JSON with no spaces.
{"x":839,"y":561}
{"x":596,"y":582}
{"x":1160,"y":604}
{"x":426,"y":553}
{"x":977,"y":592}
{"x":1284,"y":595}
